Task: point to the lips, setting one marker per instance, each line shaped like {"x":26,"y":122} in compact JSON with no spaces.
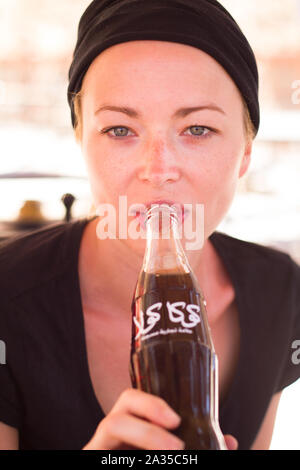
{"x":139,"y":210}
{"x":163,"y":201}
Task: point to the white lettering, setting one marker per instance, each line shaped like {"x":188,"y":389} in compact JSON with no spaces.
{"x":168,"y":331}
{"x":156,"y":333}
{"x":112,"y":460}
{"x":175,"y":316}
{"x":194,"y":459}
{"x":123,"y":217}
{"x":2,"y":352}
{"x":198,"y":235}
{"x":185,"y":330}
{"x":109,"y":221}
{"x":153,"y":318}
{"x":109,"y":227}
{"x":296,"y":354}
{"x":193,"y":317}
{"x":296,"y":93}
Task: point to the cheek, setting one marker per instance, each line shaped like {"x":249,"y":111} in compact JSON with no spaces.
{"x":105,"y":170}
{"x":217,"y":171}
{"x":219,"y":186}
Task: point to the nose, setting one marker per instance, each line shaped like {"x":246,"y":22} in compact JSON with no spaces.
{"x":159,"y":164}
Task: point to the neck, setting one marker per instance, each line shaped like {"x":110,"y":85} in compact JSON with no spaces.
{"x":108,"y":271}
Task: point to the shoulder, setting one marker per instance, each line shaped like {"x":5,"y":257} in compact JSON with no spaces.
{"x":36,"y":257}
{"x":265,"y":273}
{"x":256,"y":257}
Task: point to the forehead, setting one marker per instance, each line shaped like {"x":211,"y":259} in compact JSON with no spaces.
{"x":158,"y":67}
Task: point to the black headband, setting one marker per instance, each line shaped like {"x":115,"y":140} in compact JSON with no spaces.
{"x":204,"y":24}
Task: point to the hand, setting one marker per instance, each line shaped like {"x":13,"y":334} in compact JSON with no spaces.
{"x":138,"y":420}
{"x":231,"y":442}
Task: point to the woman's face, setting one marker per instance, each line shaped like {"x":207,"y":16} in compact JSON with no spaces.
{"x":178,"y":134}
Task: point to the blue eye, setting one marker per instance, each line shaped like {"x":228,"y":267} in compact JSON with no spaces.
{"x":122,"y":131}
{"x":199,"y":131}
{"x":118,"y":131}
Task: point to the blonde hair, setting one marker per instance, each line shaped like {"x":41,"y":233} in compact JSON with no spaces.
{"x":248,"y":124}
{"x":76,"y":101}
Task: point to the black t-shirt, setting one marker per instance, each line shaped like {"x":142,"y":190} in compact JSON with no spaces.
{"x":45,"y":387}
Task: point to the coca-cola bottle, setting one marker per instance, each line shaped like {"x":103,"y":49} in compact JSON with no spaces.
{"x":172,"y":353}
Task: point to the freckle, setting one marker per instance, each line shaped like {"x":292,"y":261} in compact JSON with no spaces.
{"x":158,"y":146}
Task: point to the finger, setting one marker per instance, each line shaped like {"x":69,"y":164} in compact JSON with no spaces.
{"x":231,"y":442}
{"x":119,"y":429}
{"x":147,"y":406}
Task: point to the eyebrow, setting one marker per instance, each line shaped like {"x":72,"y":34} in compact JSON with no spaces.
{"x":180,"y":113}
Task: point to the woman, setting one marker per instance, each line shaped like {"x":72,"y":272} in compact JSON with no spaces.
{"x":165,"y":109}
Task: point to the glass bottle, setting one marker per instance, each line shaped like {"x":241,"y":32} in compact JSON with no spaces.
{"x":172,"y":353}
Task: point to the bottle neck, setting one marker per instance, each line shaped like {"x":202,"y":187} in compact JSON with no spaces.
{"x":164,"y":252}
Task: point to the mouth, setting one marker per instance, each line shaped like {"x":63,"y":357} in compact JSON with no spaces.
{"x":139,"y":210}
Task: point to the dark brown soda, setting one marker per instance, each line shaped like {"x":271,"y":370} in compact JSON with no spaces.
{"x":171,"y":354}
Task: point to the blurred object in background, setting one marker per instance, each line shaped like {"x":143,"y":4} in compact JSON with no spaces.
{"x":37,"y":38}
{"x":267,"y":209}
{"x":31,"y":200}
{"x":68,"y":201}
{"x":30,"y":214}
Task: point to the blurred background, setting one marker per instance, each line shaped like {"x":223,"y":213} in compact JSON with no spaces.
{"x":40,"y":161}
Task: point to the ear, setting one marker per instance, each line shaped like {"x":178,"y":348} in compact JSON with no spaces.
{"x":246,"y":159}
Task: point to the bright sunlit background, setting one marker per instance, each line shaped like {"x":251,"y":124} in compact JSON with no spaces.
{"x":37,"y":38}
